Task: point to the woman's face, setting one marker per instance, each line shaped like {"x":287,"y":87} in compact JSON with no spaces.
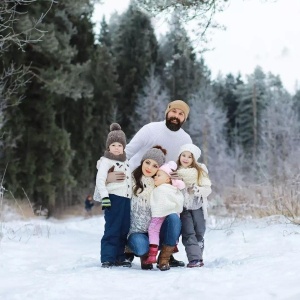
{"x":149,"y":167}
{"x":161,"y":177}
{"x":186,"y":159}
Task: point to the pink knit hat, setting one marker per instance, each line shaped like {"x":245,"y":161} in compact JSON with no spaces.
{"x":170,"y":167}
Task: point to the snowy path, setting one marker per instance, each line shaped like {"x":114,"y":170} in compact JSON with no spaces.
{"x":254,"y":259}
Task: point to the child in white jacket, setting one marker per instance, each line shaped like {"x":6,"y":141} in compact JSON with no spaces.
{"x":166,"y":199}
{"x":115,"y":199}
{"x":194,"y":215}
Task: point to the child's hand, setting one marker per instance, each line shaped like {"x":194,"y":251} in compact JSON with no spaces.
{"x":105,"y":203}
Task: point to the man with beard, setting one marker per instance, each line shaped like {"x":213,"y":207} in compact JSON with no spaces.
{"x":169,"y":135}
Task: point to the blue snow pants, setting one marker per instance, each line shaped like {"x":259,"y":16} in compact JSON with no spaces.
{"x":117,"y":222}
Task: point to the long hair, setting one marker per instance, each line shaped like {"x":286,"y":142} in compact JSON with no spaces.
{"x":201,"y":173}
{"x":138,"y":173}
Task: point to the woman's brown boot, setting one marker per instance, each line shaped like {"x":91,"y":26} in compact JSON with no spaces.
{"x":164,"y":257}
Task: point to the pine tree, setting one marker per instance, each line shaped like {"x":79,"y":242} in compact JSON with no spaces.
{"x":39,"y":158}
{"x":106,"y":88}
{"x":225,"y":90}
{"x":182,"y":73}
{"x":251,"y":101}
{"x":135,"y":49}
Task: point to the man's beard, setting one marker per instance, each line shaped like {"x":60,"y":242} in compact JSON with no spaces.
{"x":173,"y":126}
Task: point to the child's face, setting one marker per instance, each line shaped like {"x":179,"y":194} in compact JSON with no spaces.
{"x":186,"y":159}
{"x":116,"y":148}
{"x":161,"y":177}
{"x":149,"y":167}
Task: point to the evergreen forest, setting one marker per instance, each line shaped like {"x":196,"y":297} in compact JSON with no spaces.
{"x":62,"y":84}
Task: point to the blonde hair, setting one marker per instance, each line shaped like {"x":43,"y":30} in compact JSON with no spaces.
{"x":201,"y":173}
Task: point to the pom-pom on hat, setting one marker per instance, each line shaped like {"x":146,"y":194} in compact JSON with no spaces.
{"x":115,"y":135}
{"x":156,"y":153}
{"x":170,"y":167}
{"x":191,"y":148}
{"x":180,"y":105}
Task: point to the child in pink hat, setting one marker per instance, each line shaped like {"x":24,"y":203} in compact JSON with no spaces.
{"x":166,"y":199}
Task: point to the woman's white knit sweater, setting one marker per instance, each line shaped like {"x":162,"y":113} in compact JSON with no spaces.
{"x":166,"y":199}
{"x":196,"y":193}
{"x":140,"y":214}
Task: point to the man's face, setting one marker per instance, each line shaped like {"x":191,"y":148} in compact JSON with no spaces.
{"x":175,"y":119}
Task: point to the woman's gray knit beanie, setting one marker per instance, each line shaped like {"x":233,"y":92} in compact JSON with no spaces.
{"x":155,"y":154}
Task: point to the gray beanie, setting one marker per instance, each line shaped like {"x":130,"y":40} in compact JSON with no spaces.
{"x":115,"y":135}
{"x":156,"y":154}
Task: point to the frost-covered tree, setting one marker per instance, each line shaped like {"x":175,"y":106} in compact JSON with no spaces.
{"x":279,"y":149}
{"x":152,"y":101}
{"x":207,"y":129}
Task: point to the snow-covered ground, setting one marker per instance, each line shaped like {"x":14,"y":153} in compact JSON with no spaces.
{"x":244,"y":259}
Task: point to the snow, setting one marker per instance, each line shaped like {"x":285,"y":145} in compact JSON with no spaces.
{"x":244,"y":259}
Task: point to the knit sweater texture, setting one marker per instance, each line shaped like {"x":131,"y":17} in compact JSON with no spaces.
{"x":155,"y":133}
{"x":166,"y":199}
{"x":196,"y":192}
{"x":123,"y":189}
{"x":140,"y":214}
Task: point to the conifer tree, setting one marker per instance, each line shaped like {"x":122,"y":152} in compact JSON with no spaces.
{"x":135,"y":49}
{"x":251,"y":101}
{"x":39,"y":158}
{"x":106,"y":88}
{"x":182,"y":73}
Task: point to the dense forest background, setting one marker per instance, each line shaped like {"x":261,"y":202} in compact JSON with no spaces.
{"x":62,"y":85}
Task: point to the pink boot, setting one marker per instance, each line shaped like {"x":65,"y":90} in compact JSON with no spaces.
{"x":151,"y":259}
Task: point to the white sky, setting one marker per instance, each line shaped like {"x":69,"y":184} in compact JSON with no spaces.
{"x":59,"y":260}
{"x":258,"y":32}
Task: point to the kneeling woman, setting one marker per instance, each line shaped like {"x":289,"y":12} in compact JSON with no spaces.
{"x":143,"y":185}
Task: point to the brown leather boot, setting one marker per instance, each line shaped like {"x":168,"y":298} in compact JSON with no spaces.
{"x":164,"y":257}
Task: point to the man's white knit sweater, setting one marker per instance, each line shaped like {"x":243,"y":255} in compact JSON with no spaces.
{"x":152,"y":134}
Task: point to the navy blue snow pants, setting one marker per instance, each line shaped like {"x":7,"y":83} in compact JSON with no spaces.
{"x":117,"y":222}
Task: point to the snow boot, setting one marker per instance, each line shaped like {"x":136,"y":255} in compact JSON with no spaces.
{"x":164,"y":257}
{"x":107,"y":264}
{"x":144,"y":265}
{"x":195,"y":263}
{"x":151,"y":259}
{"x":175,"y":263}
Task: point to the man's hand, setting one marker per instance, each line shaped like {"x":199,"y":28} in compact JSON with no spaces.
{"x":115,"y":177}
{"x":105,"y":202}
